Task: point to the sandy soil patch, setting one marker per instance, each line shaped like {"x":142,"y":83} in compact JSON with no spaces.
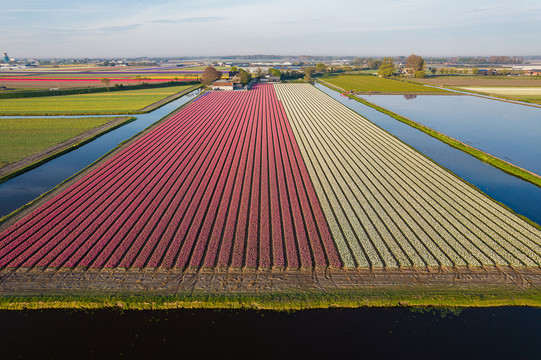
{"x":506,"y":90}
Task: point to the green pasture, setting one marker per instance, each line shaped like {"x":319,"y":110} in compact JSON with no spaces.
{"x":23,"y":137}
{"x":117,"y":102}
{"x":374,"y":84}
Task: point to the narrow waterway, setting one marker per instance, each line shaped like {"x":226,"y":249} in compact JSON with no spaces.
{"x":24,"y":188}
{"x":521,"y":196}
{"x":386,"y":333}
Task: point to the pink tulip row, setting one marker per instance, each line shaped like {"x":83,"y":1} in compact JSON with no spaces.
{"x":220,"y":184}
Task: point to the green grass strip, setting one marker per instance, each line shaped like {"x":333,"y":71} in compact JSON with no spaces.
{"x":282,"y":301}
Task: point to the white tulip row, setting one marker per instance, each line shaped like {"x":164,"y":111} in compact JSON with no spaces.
{"x":387,"y":205}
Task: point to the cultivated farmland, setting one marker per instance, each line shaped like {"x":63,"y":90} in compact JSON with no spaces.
{"x":114,"y":102}
{"x":281,"y":182}
{"x":221,"y":184}
{"x":387,"y":205}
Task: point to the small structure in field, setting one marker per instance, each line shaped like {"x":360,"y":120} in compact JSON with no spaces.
{"x":270,"y":78}
{"x":222,"y":85}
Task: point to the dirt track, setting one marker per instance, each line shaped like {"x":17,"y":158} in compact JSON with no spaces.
{"x":174,"y":281}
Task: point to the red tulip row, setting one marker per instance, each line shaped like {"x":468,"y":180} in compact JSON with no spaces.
{"x":220,"y":184}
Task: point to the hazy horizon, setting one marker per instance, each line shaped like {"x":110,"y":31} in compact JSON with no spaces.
{"x":77,"y":29}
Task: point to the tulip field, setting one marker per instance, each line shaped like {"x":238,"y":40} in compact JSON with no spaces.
{"x":278,"y":177}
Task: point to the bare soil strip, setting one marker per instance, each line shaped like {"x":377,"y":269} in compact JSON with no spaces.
{"x":49,"y":281}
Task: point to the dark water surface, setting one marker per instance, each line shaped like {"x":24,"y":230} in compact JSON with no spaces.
{"x":24,"y":188}
{"x":523,"y":197}
{"x":382,"y":333}
{"x":509,"y":131}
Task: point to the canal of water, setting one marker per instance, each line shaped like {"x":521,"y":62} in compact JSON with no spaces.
{"x":521,"y":196}
{"x":386,"y":333}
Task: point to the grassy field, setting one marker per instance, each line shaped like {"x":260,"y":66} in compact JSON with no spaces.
{"x":118,"y":102}
{"x":20,"y":138}
{"x":374,"y":84}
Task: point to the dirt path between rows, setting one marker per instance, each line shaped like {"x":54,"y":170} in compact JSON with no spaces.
{"x":58,"y":149}
{"x":49,"y":281}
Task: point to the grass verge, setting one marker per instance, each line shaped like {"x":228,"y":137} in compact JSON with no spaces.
{"x":283,"y":301}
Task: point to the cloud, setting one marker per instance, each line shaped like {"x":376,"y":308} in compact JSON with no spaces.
{"x":202,"y":19}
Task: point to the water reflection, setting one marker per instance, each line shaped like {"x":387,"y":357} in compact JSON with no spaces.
{"x":410,"y":96}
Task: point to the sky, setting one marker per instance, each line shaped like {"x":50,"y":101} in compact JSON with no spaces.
{"x":160,"y":28}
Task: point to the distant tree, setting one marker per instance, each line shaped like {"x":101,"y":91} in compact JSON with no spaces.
{"x":139,"y":78}
{"x":244,"y":77}
{"x":387,"y":67}
{"x":259,"y":72}
{"x":433,"y":71}
{"x":504,"y":72}
{"x":374,"y":64}
{"x":415,"y":62}
{"x":275,"y":72}
{"x":419,"y":74}
{"x":106,"y":82}
{"x":210,"y":74}
{"x":234,"y":69}
{"x":320,"y":67}
{"x":308,"y":72}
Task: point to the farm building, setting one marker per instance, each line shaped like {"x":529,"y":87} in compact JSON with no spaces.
{"x":222,"y":85}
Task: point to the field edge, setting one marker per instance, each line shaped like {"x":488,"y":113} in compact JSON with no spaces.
{"x":284,"y":301}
